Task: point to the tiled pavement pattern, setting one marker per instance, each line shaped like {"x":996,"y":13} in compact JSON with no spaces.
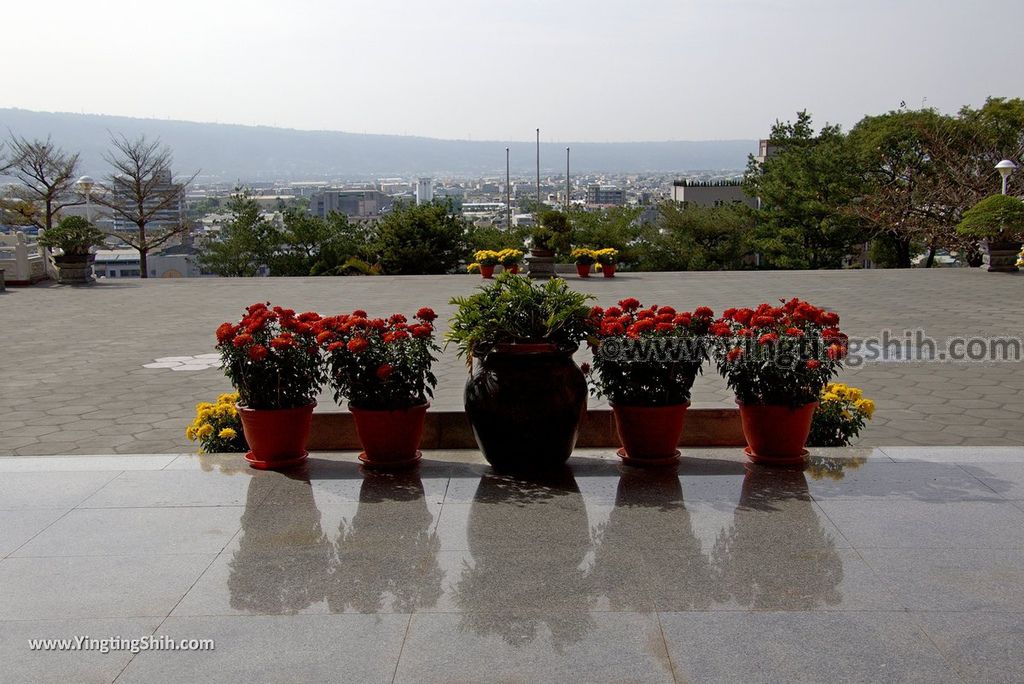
{"x":892,"y":564}
{"x":73,"y":382}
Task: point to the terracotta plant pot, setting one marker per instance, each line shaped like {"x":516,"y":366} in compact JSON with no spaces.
{"x":277,"y":437}
{"x":390,"y":438}
{"x":513,"y":269}
{"x":608,"y":270}
{"x":487,"y":271}
{"x":583,"y":270}
{"x":649,"y":434}
{"x":776,"y":434}
{"x":525,"y":403}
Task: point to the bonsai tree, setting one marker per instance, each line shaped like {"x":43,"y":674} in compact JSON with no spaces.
{"x":999,"y":218}
{"x":73,"y":235}
{"x":553,"y":232}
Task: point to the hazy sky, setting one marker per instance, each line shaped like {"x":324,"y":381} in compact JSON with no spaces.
{"x":591,"y":70}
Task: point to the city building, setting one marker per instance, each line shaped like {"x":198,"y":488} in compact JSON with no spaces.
{"x":424,"y":190}
{"x":605,"y":195}
{"x":715,"y":193}
{"x":357,"y":204}
{"x":765,"y":150}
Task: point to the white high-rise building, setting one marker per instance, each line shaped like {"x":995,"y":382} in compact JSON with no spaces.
{"x":424,"y":190}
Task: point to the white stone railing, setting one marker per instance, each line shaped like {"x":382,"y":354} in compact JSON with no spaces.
{"x":23,"y":262}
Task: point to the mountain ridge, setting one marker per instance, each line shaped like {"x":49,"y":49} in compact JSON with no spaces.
{"x":243,"y":152}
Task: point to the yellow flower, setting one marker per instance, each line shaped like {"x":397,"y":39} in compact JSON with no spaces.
{"x":230,"y":398}
{"x":473,"y":268}
{"x":205,"y":431}
{"x":829,"y":396}
{"x":227,"y":433}
{"x":203,"y":406}
{"x":865,"y":407}
{"x":190,"y":433}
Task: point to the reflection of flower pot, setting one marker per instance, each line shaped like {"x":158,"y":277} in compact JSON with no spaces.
{"x":513,"y":269}
{"x":776,"y":434}
{"x":74,"y":269}
{"x":487,"y":271}
{"x":525,"y":403}
{"x":608,"y":270}
{"x":583,"y":270}
{"x":764,"y":567}
{"x":506,"y":519}
{"x":650,"y":434}
{"x":268,"y":575}
{"x":389,"y":438}
{"x":387,"y":551}
{"x":277,"y":437}
{"x":1002,"y":256}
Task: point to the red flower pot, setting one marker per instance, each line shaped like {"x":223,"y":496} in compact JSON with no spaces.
{"x":277,"y":437}
{"x":487,"y":271}
{"x":608,"y":270}
{"x":776,"y":434}
{"x":649,"y":434}
{"x":583,"y":270}
{"x":513,"y":269}
{"x":390,"y":438}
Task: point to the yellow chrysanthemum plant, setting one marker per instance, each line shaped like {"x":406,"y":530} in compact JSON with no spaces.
{"x":583,"y":256}
{"x":510,"y":257}
{"x":487,"y":257}
{"x":217,"y":427}
{"x":608,"y":256}
{"x":842,"y":413}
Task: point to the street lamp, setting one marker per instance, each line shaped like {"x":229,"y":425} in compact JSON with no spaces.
{"x":1005,"y":168}
{"x":85,"y":185}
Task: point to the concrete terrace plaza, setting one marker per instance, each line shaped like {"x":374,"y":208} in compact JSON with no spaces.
{"x":895,"y":564}
{"x":75,"y":381}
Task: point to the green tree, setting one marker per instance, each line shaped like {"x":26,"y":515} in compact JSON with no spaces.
{"x":420,"y":239}
{"x":311,"y":245}
{"x":804,"y":190}
{"x":899,"y":183}
{"x":694,"y":238}
{"x":244,"y":244}
{"x":490,"y":237}
{"x":616,"y":227}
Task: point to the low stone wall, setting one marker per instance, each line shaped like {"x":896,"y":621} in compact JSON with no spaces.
{"x":705,"y":427}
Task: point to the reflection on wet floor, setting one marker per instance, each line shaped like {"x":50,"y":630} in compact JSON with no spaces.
{"x":514,"y":555}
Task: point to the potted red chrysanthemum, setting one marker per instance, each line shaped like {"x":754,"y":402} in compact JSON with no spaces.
{"x":777,"y":359}
{"x":645,"y":363}
{"x":273,"y":361}
{"x":382,"y":366}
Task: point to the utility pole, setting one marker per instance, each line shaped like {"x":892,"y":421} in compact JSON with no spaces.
{"x":538,"y":169}
{"x":567,"y":180}
{"x":508,"y":193}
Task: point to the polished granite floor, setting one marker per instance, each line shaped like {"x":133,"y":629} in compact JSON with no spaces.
{"x":890,"y":564}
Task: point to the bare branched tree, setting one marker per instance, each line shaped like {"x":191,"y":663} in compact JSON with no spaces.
{"x":141,"y":191}
{"x":46,"y":177}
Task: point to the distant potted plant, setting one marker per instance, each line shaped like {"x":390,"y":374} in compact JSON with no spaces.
{"x":75,"y":237}
{"x":842,"y":413}
{"x":217,"y":427}
{"x":999,"y":221}
{"x":607,"y":260}
{"x":526,"y":396}
{"x":777,"y":359}
{"x":645,"y":363}
{"x":272,"y":359}
{"x":551,"y":235}
{"x":510,"y":259}
{"x":584,"y":258}
{"x":486,"y":260}
{"x":382,"y":367}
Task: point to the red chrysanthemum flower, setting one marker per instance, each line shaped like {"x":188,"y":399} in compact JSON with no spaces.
{"x":358,"y":313}
{"x":734,"y":354}
{"x":357,"y":344}
{"x":768,"y":338}
{"x":242,"y":340}
{"x":324,"y":337}
{"x":225,"y":332}
{"x":384,"y":371}
{"x":335,"y":346}
{"x":426,"y":314}
{"x":630,"y":303}
{"x":703,"y":312}
{"x":258,"y":352}
{"x":282,"y":341}
{"x":813,"y":364}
